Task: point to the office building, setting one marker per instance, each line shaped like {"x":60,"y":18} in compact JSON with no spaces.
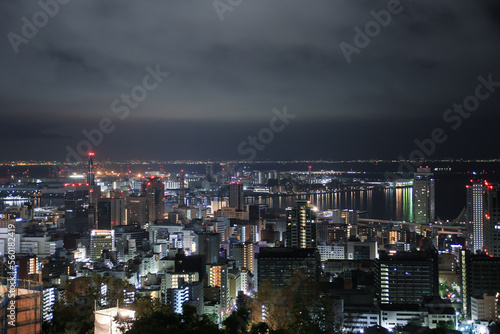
{"x":137,"y":210}
{"x":480,"y":276}
{"x":423,"y":197}
{"x":99,"y":241}
{"x":301,"y":226}
{"x":331,"y":252}
{"x":406,"y":277}
{"x":357,"y":250}
{"x":236,"y":199}
{"x":80,"y":207}
{"x":111,"y":213}
{"x":276,"y":265}
{"x":153,"y":189}
{"x":492,"y":218}
{"x":483,"y":308}
{"x":208,"y":244}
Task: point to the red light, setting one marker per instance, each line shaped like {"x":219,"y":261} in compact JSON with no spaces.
{"x":91,"y":154}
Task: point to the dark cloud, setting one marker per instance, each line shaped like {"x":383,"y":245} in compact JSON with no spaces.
{"x":227,"y":76}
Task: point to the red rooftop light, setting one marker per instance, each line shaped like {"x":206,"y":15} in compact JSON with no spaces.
{"x":91,"y":154}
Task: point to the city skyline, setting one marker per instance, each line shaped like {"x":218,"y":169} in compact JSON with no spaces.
{"x":206,"y":79}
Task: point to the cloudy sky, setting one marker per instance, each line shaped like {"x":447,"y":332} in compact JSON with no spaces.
{"x":230,"y":63}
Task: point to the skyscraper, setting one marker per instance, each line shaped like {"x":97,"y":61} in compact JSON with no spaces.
{"x":301,"y":226}
{"x":91,"y":175}
{"x":137,"y":210}
{"x":111,"y":212}
{"x":480,"y":275}
{"x":182,"y":190}
{"x":81,"y":207}
{"x":476,"y":215}
{"x":483,"y":215}
{"x":208,"y":244}
{"x":492,"y":217}
{"x":154,"y":189}
{"x":236,"y":199}
{"x":423,"y":196}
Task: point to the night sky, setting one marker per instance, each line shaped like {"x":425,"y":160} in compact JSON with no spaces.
{"x":226,"y":76}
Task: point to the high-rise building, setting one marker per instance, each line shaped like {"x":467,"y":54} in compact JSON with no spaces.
{"x":153,"y":189}
{"x":209,"y":172}
{"x":137,"y":210}
{"x":244,"y":255}
{"x":182,"y":190}
{"x":111,"y":213}
{"x":423,"y":196}
{"x":91,"y":175}
{"x":236,"y":199}
{"x":406,"y":277}
{"x":492,"y":218}
{"x":100,"y":240}
{"x":476,"y":215}
{"x":81,"y":207}
{"x":218,"y":277}
{"x":276,"y":265}
{"x":208,"y":244}
{"x":301,"y":226}
{"x":480,"y":276}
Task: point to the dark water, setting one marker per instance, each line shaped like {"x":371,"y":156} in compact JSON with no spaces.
{"x":388,"y":204}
